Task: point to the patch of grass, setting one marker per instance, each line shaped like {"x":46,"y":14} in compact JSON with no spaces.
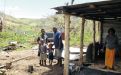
{"x":75,"y":39}
{"x":24,"y":35}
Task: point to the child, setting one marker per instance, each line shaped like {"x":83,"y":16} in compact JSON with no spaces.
{"x":42,"y":53}
{"x":50,"y":56}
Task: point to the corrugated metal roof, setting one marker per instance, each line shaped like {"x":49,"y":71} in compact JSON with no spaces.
{"x":94,"y":10}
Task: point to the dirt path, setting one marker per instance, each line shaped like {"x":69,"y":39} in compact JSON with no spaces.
{"x":21,"y":67}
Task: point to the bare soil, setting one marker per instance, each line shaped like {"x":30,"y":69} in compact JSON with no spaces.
{"x":21,"y":67}
{"x":29,"y":57}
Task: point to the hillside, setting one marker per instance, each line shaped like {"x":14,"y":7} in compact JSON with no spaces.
{"x":25,"y":30}
{"x":20,"y":30}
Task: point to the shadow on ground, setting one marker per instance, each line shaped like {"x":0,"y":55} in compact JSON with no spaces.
{"x":54,"y":70}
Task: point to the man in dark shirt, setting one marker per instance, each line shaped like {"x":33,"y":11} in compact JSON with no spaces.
{"x":58,"y":45}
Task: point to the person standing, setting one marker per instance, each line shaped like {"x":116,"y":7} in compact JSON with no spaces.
{"x":111,"y":42}
{"x":50,"y":51}
{"x":58,"y":45}
{"x":43,"y":36}
{"x":42,"y":41}
{"x":43,"y":51}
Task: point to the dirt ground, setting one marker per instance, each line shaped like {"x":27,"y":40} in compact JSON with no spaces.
{"x":21,"y":67}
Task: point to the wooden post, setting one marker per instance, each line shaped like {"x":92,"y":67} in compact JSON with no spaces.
{"x":101,"y":32}
{"x":67,"y":29}
{"x":81,"y":40}
{"x":94,"y":31}
{"x":98,"y":31}
{"x":30,"y":68}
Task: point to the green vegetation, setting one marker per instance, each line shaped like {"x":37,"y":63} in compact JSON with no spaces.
{"x":25,"y":31}
{"x":21,"y":30}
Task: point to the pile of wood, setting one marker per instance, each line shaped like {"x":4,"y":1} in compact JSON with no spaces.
{"x":12,"y":46}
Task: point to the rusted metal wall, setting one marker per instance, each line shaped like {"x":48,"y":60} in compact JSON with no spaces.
{"x":116,"y":24}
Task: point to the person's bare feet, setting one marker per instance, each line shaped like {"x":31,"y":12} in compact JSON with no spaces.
{"x":105,"y":67}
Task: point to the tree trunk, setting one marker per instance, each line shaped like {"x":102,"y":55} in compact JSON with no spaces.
{"x":1,"y":25}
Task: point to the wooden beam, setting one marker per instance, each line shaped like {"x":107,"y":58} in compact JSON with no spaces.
{"x":94,"y":31}
{"x":105,"y":14}
{"x":67,"y":44}
{"x":81,"y":41}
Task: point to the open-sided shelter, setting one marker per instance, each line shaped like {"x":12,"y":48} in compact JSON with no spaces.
{"x":107,"y":13}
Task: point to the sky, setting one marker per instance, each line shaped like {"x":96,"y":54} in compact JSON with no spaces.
{"x":34,"y":8}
